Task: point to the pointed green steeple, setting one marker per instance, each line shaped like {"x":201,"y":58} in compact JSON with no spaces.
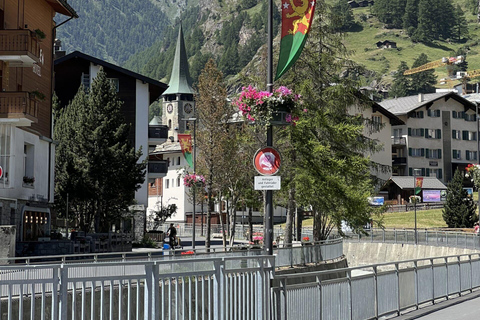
{"x":180,"y":78}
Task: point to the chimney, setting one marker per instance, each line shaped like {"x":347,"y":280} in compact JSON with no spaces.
{"x":57,"y":47}
{"x":420,"y":97}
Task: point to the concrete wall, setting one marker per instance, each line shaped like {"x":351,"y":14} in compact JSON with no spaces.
{"x":358,"y":253}
{"x":7,"y":240}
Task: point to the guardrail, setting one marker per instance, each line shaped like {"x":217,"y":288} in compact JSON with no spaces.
{"x":424,"y":236}
{"x":383,"y":289}
{"x":285,"y":255}
{"x":209,"y":288}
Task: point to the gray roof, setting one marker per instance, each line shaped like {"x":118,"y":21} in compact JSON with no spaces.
{"x":167,"y":147}
{"x":405,"y":182}
{"x":404,"y":105}
{"x":180,"y":78}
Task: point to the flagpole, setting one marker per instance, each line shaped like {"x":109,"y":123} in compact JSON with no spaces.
{"x":268,"y":244}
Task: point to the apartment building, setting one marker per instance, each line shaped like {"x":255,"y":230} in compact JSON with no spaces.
{"x":439,"y":134}
{"x":27,"y":151}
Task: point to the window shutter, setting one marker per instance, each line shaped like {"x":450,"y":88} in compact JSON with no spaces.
{"x":422,"y":152}
{"x":410,"y":152}
{"x":409,"y":131}
{"x":454,"y":114}
{"x":439,"y":174}
{"x":439,"y":153}
{"x":427,"y":155}
{"x":464,"y":135}
{"x":454,"y":154}
{"x":467,"y":155}
{"x":454,"y":135}
{"x":410,"y":171}
{"x":439,"y":133}
{"x":437,"y":113}
{"x":421,"y":114}
{"x":422,"y":132}
{"x":429,"y":112}
{"x":423,"y":172}
{"x":475,"y":136}
{"x":428,"y":172}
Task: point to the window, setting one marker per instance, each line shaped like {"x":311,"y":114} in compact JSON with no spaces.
{"x":457,"y":154}
{"x":458,"y":114}
{"x":470,"y":117}
{"x":167,"y":183}
{"x":28,"y":163}
{"x":417,"y":114}
{"x":170,"y":124}
{"x":376,"y":122}
{"x":436,"y":173}
{"x":469,"y":135}
{"x":416,"y":152}
{"x":470,"y":155}
{"x":433,"y":113}
{"x":178,"y":182}
{"x":433,"y":133}
{"x":433,"y":153}
{"x":6,"y":158}
{"x":397,"y":133}
{"x":416,"y":132}
{"x":178,"y":161}
{"x":456,"y":134}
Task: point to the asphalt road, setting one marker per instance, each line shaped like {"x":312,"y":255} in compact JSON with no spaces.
{"x":467,"y":310}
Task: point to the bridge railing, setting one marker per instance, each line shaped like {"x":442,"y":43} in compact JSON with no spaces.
{"x":201,"y":288}
{"x":373,"y":291}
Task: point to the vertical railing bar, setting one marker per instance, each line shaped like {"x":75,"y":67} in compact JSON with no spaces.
{"x":92,"y":299}
{"x":129,"y":298}
{"x":83,"y":300}
{"x":32,"y":302}
{"x":397,"y":272}
{"x":415,"y":265}
{"x":102,"y":297}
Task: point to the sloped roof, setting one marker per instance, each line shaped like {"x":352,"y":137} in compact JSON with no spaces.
{"x":79,"y":55}
{"x":61,"y":6}
{"x":180,"y":77}
{"x":406,"y":182}
{"x":166,"y":148}
{"x":404,"y":105}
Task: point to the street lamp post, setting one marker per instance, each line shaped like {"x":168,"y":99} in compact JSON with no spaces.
{"x":194,"y":120}
{"x":415,"y":172}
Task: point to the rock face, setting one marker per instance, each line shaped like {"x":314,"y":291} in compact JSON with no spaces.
{"x":7,"y":243}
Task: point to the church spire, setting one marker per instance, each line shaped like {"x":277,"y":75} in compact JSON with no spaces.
{"x":180,"y":77}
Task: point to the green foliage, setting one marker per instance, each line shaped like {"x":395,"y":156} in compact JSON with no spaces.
{"x":390,"y":12}
{"x":161,"y":214}
{"x":459,"y":209}
{"x":422,"y":82}
{"x":95,"y":166}
{"x":342,"y":16}
{"x":113,"y":30}
{"x":401,"y":84}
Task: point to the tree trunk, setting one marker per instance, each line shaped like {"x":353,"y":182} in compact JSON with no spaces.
{"x":250,"y":224}
{"x":222,"y":227}
{"x":288,"y":237}
{"x":478,"y":13}
{"x":298,"y":231}
{"x":233,"y":222}
{"x":209,"y":217}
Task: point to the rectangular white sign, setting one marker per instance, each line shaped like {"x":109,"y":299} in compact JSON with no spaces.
{"x":267,"y":183}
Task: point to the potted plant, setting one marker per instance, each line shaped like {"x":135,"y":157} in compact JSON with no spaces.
{"x":40,"y":34}
{"x":306,"y":241}
{"x":28,"y":180}
{"x":35,"y":94}
{"x":281,"y":107}
{"x":191,"y":180}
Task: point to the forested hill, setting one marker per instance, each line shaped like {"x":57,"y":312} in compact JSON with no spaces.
{"x":113,"y":30}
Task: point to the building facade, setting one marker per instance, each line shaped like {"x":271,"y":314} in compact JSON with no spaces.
{"x":439,"y":135}
{"x":27,"y":150}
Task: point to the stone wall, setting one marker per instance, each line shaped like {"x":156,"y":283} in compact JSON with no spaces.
{"x":7,"y":243}
{"x":365,"y":253}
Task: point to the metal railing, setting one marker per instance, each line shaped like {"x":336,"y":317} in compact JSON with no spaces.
{"x":383,"y":289}
{"x":425,"y":237}
{"x":210,"y":288}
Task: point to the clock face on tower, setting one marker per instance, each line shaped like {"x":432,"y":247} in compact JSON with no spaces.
{"x":169,"y":108}
{"x":188,"y":108}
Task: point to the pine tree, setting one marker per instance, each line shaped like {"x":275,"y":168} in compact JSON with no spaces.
{"x":401,"y":82}
{"x":342,"y":16}
{"x":460,"y":28}
{"x":459,"y":210}
{"x":410,"y":19}
{"x":423,"y":82}
{"x":95,"y":164}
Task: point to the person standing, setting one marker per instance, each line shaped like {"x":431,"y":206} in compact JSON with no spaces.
{"x":172,"y":234}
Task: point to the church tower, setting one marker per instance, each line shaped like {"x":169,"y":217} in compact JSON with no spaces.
{"x":178,"y":101}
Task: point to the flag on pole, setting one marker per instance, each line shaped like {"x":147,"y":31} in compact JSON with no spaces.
{"x":297,"y":17}
{"x":186,"y":145}
{"x":418,"y":185}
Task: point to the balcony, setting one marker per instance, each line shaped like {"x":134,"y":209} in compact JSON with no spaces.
{"x":399,"y":161}
{"x":399,"y":141}
{"x":157,"y":169}
{"x":157,"y":134}
{"x":20,"y":106}
{"x":19,"y":48}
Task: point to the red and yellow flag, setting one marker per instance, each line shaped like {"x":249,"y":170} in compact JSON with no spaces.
{"x":186,"y":145}
{"x":418,"y":185}
{"x":297,"y":17}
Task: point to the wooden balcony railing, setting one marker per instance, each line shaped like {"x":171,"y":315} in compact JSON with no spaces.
{"x":18,"y":105}
{"x":19,"y":47}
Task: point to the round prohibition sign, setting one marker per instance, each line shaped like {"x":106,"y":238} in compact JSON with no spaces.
{"x":267,"y":161}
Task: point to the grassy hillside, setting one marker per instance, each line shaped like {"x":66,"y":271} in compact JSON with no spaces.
{"x":386,"y":61}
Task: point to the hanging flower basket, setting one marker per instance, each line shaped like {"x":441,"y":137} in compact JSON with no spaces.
{"x":282,"y":107}
{"x":191,"y":180}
